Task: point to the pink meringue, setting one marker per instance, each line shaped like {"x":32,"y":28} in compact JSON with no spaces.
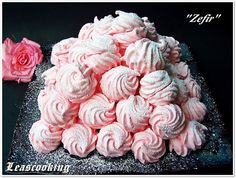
{"x":119,"y":82}
{"x":144,"y":56}
{"x":193,"y":88}
{"x":194,"y":109}
{"x":55,"y":109}
{"x":175,"y":50}
{"x":151,"y":30}
{"x":60,"y":51}
{"x":44,"y":138}
{"x":97,"y":111}
{"x":167,"y":121}
{"x":99,"y":54}
{"x":190,"y":139}
{"x":49,"y":76}
{"x":86,"y":32}
{"x":128,"y":28}
{"x":79,"y":140}
{"x":113,"y":140}
{"x":133,"y":113}
{"x":75,"y":82}
{"x":158,"y":88}
{"x":147,"y":147}
{"x":183,"y":93}
{"x":182,"y":70}
{"x":103,"y":26}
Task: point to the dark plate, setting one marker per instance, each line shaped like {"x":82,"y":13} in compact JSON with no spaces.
{"x":214,"y":154}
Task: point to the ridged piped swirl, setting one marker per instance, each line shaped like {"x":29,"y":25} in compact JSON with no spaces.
{"x":133,"y":113}
{"x":158,"y":88}
{"x":128,"y":28}
{"x":182,"y":70}
{"x":97,"y":111}
{"x":55,"y":109}
{"x":49,"y":76}
{"x":44,"y":138}
{"x":75,"y":82}
{"x":147,"y":147}
{"x":175,"y":50}
{"x":193,"y":88}
{"x":194,"y":109}
{"x":79,"y":140}
{"x":119,"y":82}
{"x":113,"y":140}
{"x":167,"y":121}
{"x":103,"y":26}
{"x":86,"y":32}
{"x":144,"y":56}
{"x":60,"y":51}
{"x":190,"y":139}
{"x":99,"y":53}
{"x":151,"y":29}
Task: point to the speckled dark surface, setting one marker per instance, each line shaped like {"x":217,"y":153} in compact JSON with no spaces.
{"x":215,"y":153}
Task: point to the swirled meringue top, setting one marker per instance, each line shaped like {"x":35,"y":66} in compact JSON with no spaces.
{"x":49,"y":76}
{"x":113,"y":140}
{"x":151,"y":29}
{"x":79,"y":140}
{"x":193,"y":88}
{"x":175,"y":50}
{"x":144,"y":56}
{"x":60,"y":51}
{"x":86,"y":32}
{"x":183,"y":93}
{"x":147,"y":147}
{"x":167,"y":121}
{"x":158,"y":88}
{"x":182,"y":70}
{"x":75,"y":82}
{"x":55,"y":109}
{"x":44,"y":138}
{"x":133,"y":113}
{"x":119,"y":82}
{"x":100,"y":53}
{"x":190,"y":139}
{"x":128,"y":28}
{"x":103,"y":26}
{"x":97,"y":111}
{"x":194,"y":109}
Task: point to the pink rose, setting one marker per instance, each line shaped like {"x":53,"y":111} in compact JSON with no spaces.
{"x":20,"y":59}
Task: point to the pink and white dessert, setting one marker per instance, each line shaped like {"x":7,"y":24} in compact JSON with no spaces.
{"x":151,"y":29}
{"x":194,"y":109}
{"x":60,"y":51}
{"x":75,"y":82}
{"x":193,"y":88}
{"x":100,"y":53}
{"x":86,"y":32}
{"x":119,"y":82}
{"x":144,"y":56}
{"x":133,"y":113}
{"x":148,"y":147}
{"x":128,"y":28}
{"x":55,"y":109}
{"x":190,"y":139}
{"x":119,"y":86}
{"x":44,"y":138}
{"x":167,"y":121}
{"x":158,"y":88}
{"x":49,"y":76}
{"x":113,"y":140}
{"x":97,"y":111}
{"x":79,"y":140}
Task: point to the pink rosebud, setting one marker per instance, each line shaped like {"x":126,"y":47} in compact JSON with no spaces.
{"x":20,"y":59}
